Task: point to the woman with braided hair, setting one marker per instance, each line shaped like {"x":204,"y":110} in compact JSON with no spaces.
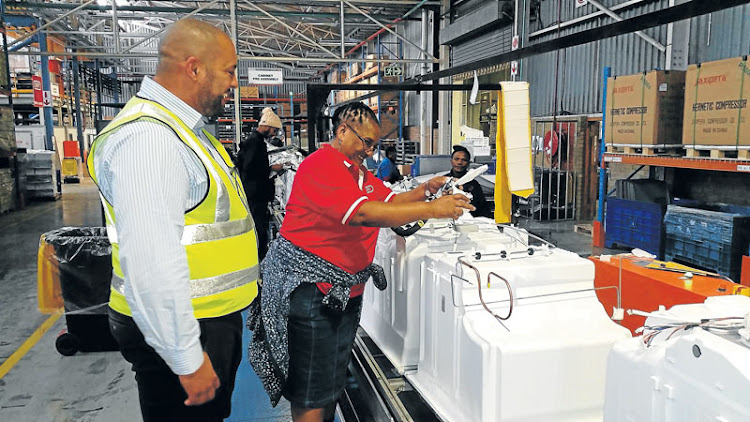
{"x":314,"y":273}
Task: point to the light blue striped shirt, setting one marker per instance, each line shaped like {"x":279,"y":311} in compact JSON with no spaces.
{"x":152,"y":178}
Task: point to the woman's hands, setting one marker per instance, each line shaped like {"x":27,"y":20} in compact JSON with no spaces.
{"x":451,"y":206}
{"x":436,"y":183}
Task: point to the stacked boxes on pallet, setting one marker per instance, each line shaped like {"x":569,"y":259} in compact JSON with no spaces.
{"x":716,"y":105}
{"x":7,"y":131}
{"x":41,"y":175}
{"x":645,"y":109}
{"x":7,"y":190}
{"x":713,"y":240}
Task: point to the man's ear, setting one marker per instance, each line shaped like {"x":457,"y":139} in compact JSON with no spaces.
{"x":192,"y":67}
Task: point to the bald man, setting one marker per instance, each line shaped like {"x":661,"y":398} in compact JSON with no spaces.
{"x":184,"y":253}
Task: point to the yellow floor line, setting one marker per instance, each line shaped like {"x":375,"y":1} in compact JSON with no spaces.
{"x":28,"y":344}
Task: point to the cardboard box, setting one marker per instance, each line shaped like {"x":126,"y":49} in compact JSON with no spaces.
{"x":645,"y":109}
{"x":7,"y":130}
{"x":716,"y":103}
{"x":249,"y":92}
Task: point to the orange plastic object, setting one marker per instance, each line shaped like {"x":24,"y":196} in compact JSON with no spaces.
{"x":71,"y":149}
{"x":598,"y":235}
{"x":49,"y":294}
{"x":745,"y":273}
{"x":645,"y":289}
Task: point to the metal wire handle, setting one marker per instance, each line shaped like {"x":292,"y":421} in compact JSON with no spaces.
{"x":479,"y":289}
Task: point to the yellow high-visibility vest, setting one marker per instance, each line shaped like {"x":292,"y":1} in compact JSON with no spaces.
{"x":219,"y":235}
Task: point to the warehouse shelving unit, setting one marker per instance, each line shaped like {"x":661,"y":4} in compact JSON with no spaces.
{"x":713,"y":164}
{"x":251,"y":108}
{"x":739,"y":165}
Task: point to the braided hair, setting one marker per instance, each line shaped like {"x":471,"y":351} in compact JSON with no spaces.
{"x":356,"y":112}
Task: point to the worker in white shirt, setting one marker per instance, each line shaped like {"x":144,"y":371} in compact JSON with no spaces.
{"x":184,"y":251}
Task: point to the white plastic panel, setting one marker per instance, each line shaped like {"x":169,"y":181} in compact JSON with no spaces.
{"x":687,"y":376}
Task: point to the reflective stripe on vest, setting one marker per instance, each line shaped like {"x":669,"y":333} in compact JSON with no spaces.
{"x":218,"y":236}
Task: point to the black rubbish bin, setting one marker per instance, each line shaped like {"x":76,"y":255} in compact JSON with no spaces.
{"x":85,"y":265}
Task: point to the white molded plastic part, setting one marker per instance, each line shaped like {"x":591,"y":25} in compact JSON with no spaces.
{"x":546,"y":363}
{"x":695,"y":375}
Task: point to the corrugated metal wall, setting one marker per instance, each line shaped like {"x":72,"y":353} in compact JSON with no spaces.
{"x":712,"y":37}
{"x":489,"y":44}
{"x":720,"y":35}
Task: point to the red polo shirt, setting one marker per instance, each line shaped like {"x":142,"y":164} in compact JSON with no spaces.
{"x":328,"y":189}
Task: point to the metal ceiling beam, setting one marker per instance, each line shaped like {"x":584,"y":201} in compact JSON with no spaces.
{"x":647,"y":20}
{"x":115,"y":27}
{"x":405,"y":3}
{"x":348,"y":2}
{"x":659,"y":46}
{"x":84,"y":54}
{"x":166,"y":27}
{"x":25,"y":6}
{"x":328,"y":60}
{"x":48,"y":24}
{"x":91,"y":33}
{"x":285,"y":25}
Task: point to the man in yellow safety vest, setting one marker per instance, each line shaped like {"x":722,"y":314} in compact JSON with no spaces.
{"x":184,"y":251}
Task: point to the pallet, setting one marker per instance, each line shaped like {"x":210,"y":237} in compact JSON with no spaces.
{"x":717,"y":152}
{"x":637,"y":149}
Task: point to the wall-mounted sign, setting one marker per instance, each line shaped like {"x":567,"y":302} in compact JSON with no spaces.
{"x":36,"y":84}
{"x":265,"y":76}
{"x":514,"y":44}
{"x":513,"y":68}
{"x":581,"y":3}
{"x":393,"y":70}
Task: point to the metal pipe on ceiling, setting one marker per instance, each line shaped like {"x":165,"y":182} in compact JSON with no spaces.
{"x":50,"y":23}
{"x":22,"y":5}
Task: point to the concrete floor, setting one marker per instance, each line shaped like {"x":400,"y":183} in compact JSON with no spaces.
{"x":45,"y":386}
{"x":99,"y":387}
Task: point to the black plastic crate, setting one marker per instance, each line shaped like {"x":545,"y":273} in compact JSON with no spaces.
{"x":708,"y":239}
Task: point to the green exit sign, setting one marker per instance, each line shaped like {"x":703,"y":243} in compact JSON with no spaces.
{"x":393,"y":70}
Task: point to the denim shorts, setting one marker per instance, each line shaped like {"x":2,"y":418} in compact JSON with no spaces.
{"x":320,"y":345}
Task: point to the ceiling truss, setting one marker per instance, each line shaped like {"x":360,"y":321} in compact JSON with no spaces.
{"x":302,"y":37}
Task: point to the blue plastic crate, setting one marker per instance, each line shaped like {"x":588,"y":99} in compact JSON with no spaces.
{"x":707,"y":239}
{"x":634,"y":224}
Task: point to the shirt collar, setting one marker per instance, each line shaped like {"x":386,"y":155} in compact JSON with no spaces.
{"x":346,"y":161}
{"x":152,"y":90}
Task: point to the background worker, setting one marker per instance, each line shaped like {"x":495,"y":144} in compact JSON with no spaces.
{"x":184,"y":249}
{"x":460,"y":159}
{"x":255,"y":172}
{"x":314,"y":274}
{"x":387,"y":170}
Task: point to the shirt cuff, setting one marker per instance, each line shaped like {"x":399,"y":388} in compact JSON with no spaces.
{"x":353,"y":208}
{"x":184,"y":362}
{"x":390,"y":196}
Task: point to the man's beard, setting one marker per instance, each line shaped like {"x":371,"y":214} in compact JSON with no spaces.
{"x":213,"y":106}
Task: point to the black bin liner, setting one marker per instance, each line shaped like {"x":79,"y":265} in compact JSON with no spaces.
{"x":84,"y":256}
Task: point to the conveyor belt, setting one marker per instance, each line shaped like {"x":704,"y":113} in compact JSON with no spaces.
{"x":376,"y":392}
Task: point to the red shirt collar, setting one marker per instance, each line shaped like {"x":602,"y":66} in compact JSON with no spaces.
{"x":347,"y":162}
